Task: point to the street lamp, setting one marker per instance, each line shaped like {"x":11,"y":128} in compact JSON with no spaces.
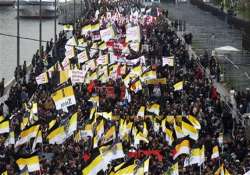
{"x":40,"y":28}
{"x":55,"y":23}
{"x":74,"y":12}
{"x":18,"y":35}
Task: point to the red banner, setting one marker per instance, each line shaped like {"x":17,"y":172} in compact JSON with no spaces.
{"x":110,"y":92}
{"x":136,"y":154}
{"x":141,"y":153}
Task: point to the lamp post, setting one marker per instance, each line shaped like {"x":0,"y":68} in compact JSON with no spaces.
{"x":18,"y":35}
{"x":74,"y":12}
{"x":55,"y":23}
{"x":66,"y":12}
{"x":81,"y":7}
{"x":40,"y":28}
{"x":55,"y":49}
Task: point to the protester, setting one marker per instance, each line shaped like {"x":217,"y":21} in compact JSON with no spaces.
{"x":2,"y":88}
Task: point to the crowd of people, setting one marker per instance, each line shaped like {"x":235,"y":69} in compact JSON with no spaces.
{"x":129,"y":92}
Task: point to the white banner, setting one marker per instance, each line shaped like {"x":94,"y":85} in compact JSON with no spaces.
{"x":77,"y":76}
{"x":102,"y":70}
{"x":107,"y":34}
{"x":90,"y":64}
{"x":70,"y":44}
{"x":102,"y":60}
{"x":133,"y":34}
{"x":65,"y":64}
{"x":168,"y":61}
{"x":133,"y":61}
{"x":82,"y":57}
{"x":42,"y":78}
{"x":65,"y":102}
{"x":93,"y":50}
{"x":70,"y":53}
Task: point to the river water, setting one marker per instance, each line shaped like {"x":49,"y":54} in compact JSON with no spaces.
{"x":28,"y":28}
{"x":210,"y":32}
{"x":202,"y":24}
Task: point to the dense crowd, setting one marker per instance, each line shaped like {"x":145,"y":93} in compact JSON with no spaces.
{"x":198,"y":98}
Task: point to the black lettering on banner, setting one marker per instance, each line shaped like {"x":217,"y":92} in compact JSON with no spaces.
{"x":66,"y":103}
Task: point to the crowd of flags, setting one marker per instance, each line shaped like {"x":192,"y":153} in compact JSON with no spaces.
{"x":181,"y":129}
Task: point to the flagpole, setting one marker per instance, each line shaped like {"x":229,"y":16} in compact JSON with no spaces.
{"x":200,"y":169}
{"x":74,"y":10}
{"x":174,"y":68}
{"x":29,"y":145}
{"x":55,"y":29}
{"x":42,"y":143}
{"x":40,"y":28}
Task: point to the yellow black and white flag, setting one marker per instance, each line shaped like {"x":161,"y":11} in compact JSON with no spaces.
{"x":59,"y":77}
{"x":154,"y":108}
{"x":112,"y":152}
{"x":57,"y":136}
{"x":37,"y":140}
{"x":42,"y":78}
{"x":96,"y":164}
{"x":1,"y":118}
{"x":178,"y":86}
{"x":32,"y":163}
{"x":141,"y":111}
{"x":64,"y":97}
{"x":5,"y":127}
{"x":27,"y":134}
{"x":10,"y":140}
{"x":71,"y":125}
